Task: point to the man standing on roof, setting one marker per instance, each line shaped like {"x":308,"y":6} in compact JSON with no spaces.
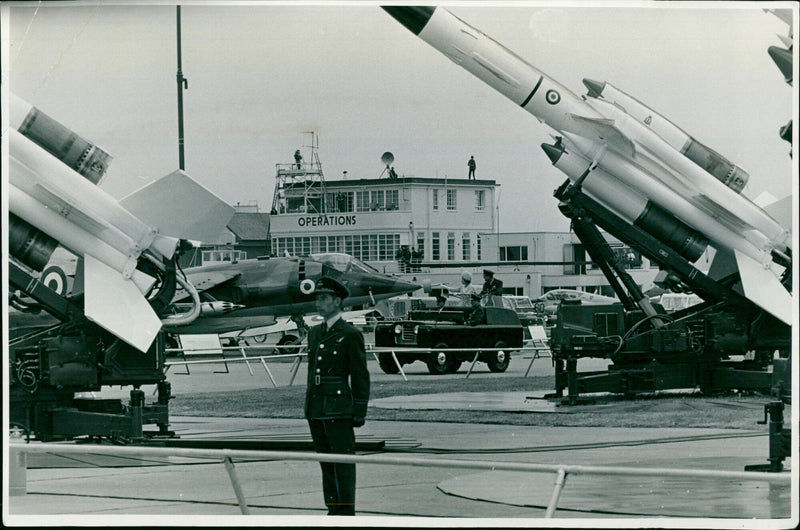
{"x":335,"y":405}
{"x":471,"y":166}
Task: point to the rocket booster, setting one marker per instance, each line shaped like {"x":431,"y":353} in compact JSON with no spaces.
{"x":628,"y":157}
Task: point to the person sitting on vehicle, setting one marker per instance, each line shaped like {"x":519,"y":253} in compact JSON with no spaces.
{"x":477,"y":316}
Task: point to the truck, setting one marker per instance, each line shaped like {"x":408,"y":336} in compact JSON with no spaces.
{"x":431,"y":335}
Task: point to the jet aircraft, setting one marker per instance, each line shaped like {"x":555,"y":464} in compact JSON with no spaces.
{"x":251,"y":293}
{"x":548,"y":302}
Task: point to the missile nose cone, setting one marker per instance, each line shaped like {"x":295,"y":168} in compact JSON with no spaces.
{"x":412,"y":17}
{"x":783,"y":59}
{"x":552,"y":152}
{"x":595,"y":88}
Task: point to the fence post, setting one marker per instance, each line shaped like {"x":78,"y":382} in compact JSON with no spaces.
{"x":471,"y":366}
{"x":17,"y":472}
{"x":295,"y":367}
{"x":237,"y":488}
{"x":241,"y":349}
{"x":561,"y":479}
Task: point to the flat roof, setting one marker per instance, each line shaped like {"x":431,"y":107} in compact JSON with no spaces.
{"x":407,"y":180}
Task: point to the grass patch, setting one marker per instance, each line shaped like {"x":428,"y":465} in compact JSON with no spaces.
{"x":658,"y":411}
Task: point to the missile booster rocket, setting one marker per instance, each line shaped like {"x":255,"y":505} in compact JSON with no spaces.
{"x":632,"y":160}
{"x":54,"y":199}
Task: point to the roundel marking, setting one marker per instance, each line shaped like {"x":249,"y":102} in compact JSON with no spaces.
{"x":54,"y":278}
{"x":552,"y":96}
{"x":307,"y":286}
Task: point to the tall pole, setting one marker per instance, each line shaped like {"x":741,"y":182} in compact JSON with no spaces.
{"x":182,"y":84}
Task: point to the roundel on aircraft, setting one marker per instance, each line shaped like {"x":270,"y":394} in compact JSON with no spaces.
{"x":552,"y":97}
{"x":55,"y":278}
{"x":307,"y":286}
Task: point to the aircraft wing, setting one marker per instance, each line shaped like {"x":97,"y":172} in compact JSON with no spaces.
{"x":204,"y":280}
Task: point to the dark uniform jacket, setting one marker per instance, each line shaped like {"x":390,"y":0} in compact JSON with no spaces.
{"x":333,"y":358}
{"x":493,"y":287}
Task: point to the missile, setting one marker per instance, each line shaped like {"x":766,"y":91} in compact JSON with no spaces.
{"x":54,"y":199}
{"x":712,"y":162}
{"x":629,"y":158}
{"x":42,"y":176}
{"x":783,"y":60}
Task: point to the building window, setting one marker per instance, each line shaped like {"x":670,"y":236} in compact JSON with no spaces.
{"x":377,"y":200}
{"x":451,"y":246}
{"x":451,"y":200}
{"x":480,"y":200}
{"x":392,"y":199}
{"x":421,"y":244}
{"x":435,"y":246}
{"x":465,"y":246}
{"x":518,"y":253}
{"x":435,"y":199}
{"x":341,"y":201}
{"x":478,"y":248}
{"x":573,"y":255}
{"x":362,"y":201}
{"x":366,"y":247}
{"x":224,"y":255}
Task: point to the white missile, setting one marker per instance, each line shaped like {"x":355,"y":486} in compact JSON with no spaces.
{"x":53,"y":183}
{"x":627,"y":154}
{"x":73,"y":237}
{"x":712,"y":162}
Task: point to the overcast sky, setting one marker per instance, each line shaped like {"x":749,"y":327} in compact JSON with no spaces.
{"x":261,"y":76}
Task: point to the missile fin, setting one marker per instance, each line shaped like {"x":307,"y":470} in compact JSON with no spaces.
{"x":117,"y":305}
{"x":602,"y":130}
{"x":763,"y":288}
{"x":180,"y":206}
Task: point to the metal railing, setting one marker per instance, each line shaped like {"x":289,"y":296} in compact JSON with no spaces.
{"x":17,"y":475}
{"x":534,"y":348}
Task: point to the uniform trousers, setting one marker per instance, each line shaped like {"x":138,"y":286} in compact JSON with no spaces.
{"x":338,"y":480}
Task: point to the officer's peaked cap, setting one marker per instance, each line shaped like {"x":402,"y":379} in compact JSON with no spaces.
{"x":331,"y":286}
{"x":490,"y":272}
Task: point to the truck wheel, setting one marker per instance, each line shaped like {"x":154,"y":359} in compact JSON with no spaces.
{"x":456,"y":364}
{"x":387,"y":364}
{"x":498,"y":360}
{"x":439,"y":362}
{"x":287,"y":339}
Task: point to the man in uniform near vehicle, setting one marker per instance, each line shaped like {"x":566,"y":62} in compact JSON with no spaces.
{"x":477,"y":316}
{"x":491,"y":285}
{"x":334,"y":405}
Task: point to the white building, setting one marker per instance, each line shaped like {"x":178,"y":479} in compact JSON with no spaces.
{"x":449,"y":224}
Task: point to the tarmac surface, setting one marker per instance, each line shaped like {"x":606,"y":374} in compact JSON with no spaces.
{"x":95,"y":489}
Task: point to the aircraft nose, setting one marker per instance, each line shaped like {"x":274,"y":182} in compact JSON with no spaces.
{"x":385,"y":285}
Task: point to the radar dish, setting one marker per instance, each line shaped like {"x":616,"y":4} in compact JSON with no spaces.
{"x":387,"y":158}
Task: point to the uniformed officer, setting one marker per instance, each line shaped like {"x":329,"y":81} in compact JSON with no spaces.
{"x":491,"y":285}
{"x":477,"y":316}
{"x":333,"y":404}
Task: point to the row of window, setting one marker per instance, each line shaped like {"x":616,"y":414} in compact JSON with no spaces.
{"x":388,"y":199}
{"x":436,"y":254}
{"x":366,"y":247}
{"x":451,"y":199}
